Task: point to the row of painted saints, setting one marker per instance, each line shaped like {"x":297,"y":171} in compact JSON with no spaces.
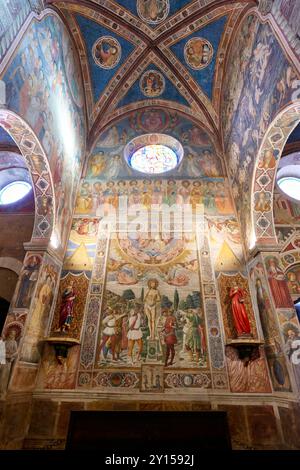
{"x":97,"y":196}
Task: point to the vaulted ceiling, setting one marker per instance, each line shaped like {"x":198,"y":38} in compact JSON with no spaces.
{"x":137,"y":53}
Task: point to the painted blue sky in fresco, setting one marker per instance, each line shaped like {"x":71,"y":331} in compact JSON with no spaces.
{"x":92,"y":31}
{"x":213,"y":32}
{"x":170,"y":93}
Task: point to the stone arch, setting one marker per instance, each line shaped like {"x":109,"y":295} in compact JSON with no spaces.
{"x":38,"y":165}
{"x":264,"y":177}
{"x":11,"y":263}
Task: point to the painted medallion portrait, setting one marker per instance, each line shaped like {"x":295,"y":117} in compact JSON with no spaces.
{"x":153,"y":11}
{"x":198,"y":53}
{"x":107,"y":52}
{"x":152,"y":83}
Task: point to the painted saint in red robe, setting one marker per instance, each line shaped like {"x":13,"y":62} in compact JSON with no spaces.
{"x":239,"y":313}
{"x":278,"y":285}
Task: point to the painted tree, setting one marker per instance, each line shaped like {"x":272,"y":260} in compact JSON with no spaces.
{"x":165,"y":302}
{"x":128,"y":294}
{"x":176,"y":299}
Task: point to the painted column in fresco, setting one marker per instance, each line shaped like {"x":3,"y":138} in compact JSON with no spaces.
{"x":27,"y":321}
{"x":93,"y":311}
{"x":246,"y":374}
{"x":211,"y":307}
{"x":278,"y":321}
{"x":285,"y":311}
{"x":78,"y":278}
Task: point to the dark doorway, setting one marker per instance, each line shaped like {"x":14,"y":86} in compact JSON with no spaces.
{"x":4,"y":306}
{"x":149,"y":430}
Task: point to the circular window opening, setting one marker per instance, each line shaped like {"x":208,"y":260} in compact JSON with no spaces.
{"x":154,"y":159}
{"x":14,"y":191}
{"x":290,"y":185}
{"x":153,"y":154}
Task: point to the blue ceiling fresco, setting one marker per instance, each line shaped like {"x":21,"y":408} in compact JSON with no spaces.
{"x":92,"y":31}
{"x":295,"y":135}
{"x":5,"y":138}
{"x":175,"y":5}
{"x":213,"y":33}
{"x":170,"y":93}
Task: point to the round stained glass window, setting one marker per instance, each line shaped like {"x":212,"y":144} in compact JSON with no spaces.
{"x":290,"y":185}
{"x":153,"y":154}
{"x":14,"y":191}
{"x":154,"y":159}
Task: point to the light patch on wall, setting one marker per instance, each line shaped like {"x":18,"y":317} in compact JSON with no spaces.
{"x":66,"y":125}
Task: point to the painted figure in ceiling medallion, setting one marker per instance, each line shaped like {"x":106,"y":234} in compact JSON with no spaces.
{"x":198,"y":53}
{"x":107,"y":52}
{"x":153,"y":11}
{"x":152,"y":83}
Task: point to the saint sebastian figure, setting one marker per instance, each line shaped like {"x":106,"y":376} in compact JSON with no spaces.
{"x":239,"y":313}
{"x":151,"y":301}
{"x":66,"y":309}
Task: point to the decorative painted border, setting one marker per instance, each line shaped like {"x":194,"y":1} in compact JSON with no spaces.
{"x":264,"y":175}
{"x":39,"y":168}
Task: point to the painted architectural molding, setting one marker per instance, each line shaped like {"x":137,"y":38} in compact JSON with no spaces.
{"x":264,"y":177}
{"x":11,"y":263}
{"x":39,"y":168}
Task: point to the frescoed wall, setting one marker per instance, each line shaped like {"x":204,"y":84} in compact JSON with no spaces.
{"x":270,"y":328}
{"x":43,"y":86}
{"x":260,"y":81}
{"x":293,"y":283}
{"x":167,"y":279}
{"x":145,"y":307}
{"x":290,"y":13}
{"x":126,"y":314}
{"x":40,"y":311}
{"x":202,"y":159}
{"x":14,"y":14}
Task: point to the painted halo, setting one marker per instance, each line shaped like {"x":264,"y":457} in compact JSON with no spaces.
{"x":198,"y":53}
{"x":153,"y":11}
{"x":107,"y":52}
{"x":152,"y":83}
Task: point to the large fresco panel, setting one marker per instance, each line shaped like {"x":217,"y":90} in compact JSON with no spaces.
{"x":201,"y":159}
{"x":40,"y":310}
{"x":161,"y":303}
{"x":274,"y":350}
{"x":44,"y":87}
{"x":69,"y":311}
{"x":268,"y":82}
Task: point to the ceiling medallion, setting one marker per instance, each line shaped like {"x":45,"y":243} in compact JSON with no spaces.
{"x":107,"y":52}
{"x":152,"y":83}
{"x":198,"y":53}
{"x":153,"y":11}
